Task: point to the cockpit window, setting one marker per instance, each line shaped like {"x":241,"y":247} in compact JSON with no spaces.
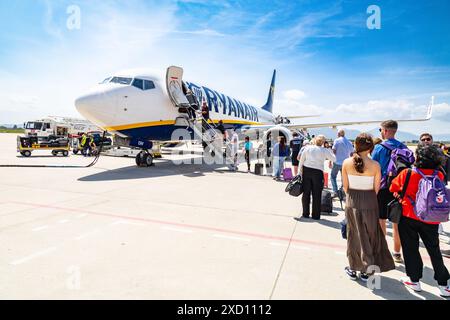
{"x":143,"y":84}
{"x":149,"y":85}
{"x":138,"y":83}
{"x":121,"y":80}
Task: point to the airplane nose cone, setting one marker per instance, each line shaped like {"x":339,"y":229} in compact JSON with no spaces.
{"x":86,"y":103}
{"x":97,"y":107}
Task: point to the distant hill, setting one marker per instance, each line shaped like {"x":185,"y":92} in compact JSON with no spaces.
{"x":442,"y":137}
{"x":10,"y":126}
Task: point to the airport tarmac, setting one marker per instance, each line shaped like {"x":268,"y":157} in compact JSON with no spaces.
{"x":115,"y":231}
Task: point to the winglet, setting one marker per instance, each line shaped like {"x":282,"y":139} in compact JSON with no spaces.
{"x":430,"y":109}
{"x":269,"y":104}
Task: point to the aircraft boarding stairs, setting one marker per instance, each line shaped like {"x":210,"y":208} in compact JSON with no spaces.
{"x":212,"y":140}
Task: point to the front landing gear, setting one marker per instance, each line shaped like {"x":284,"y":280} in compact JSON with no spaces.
{"x":144,"y":159}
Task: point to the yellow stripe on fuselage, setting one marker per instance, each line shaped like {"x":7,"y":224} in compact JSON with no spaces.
{"x":141,"y":125}
{"x":171,"y":122}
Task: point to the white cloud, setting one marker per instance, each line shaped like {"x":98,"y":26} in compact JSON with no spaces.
{"x":395,"y":109}
{"x":441,"y":112}
{"x":12,"y":101}
{"x":369,"y":110}
{"x":289,"y":107}
{"x":294,"y":94}
{"x":203,"y":32}
{"x":381,"y":109}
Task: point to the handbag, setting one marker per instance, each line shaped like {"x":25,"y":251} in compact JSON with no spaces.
{"x":395,"y":207}
{"x":295,"y":187}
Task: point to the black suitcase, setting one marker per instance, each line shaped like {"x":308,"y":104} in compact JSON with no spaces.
{"x":259,"y":168}
{"x":327,"y":202}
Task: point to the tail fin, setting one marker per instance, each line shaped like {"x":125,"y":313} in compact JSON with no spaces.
{"x":269,"y":104}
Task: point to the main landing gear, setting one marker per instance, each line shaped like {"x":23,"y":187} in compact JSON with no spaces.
{"x":144,"y":159}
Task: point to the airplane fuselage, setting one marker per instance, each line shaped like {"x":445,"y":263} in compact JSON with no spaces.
{"x":137,"y":105}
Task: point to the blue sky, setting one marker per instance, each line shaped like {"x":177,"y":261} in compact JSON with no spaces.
{"x":328,"y":61}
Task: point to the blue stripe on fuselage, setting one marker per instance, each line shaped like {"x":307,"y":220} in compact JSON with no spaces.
{"x":164,"y":132}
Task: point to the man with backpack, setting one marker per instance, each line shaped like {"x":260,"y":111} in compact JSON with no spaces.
{"x":393,"y":156}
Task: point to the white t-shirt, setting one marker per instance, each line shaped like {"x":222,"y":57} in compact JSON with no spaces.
{"x":314,"y":157}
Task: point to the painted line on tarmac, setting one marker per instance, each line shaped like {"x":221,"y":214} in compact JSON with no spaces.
{"x":115,"y":223}
{"x":301,"y":248}
{"x":37,"y":229}
{"x":276,"y":244}
{"x":177,"y":229}
{"x":230,"y":237}
{"x":33,"y":256}
{"x":87,"y":234}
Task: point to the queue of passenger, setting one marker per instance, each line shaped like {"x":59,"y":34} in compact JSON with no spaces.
{"x":374,"y":183}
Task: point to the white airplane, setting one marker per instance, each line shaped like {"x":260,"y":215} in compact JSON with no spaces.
{"x":142,"y":108}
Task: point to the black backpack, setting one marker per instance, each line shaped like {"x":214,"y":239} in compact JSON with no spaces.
{"x":327,"y":202}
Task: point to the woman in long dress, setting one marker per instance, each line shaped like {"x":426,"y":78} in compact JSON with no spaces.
{"x":367,"y":249}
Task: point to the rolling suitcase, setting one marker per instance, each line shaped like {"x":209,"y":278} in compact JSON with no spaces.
{"x":327,"y":202}
{"x":259,"y":168}
{"x":287,"y":174}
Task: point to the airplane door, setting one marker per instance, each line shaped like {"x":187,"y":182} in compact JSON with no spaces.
{"x":174,"y":83}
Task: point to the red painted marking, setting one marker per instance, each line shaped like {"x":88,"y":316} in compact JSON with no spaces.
{"x":205,"y":228}
{"x":198,"y":227}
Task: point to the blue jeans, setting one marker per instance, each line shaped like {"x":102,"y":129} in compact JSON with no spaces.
{"x":334,"y":172}
{"x":278,"y":165}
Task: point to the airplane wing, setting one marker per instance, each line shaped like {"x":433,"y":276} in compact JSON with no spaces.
{"x":302,"y":117}
{"x":338,"y":124}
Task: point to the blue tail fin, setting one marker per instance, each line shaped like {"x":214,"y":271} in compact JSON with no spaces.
{"x":269,"y":104}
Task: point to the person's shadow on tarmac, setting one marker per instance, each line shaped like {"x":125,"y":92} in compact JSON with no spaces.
{"x":322,"y":221}
{"x":393,"y":289}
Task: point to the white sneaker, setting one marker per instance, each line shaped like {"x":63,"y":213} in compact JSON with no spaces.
{"x":445,"y":291}
{"x":411,"y":285}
